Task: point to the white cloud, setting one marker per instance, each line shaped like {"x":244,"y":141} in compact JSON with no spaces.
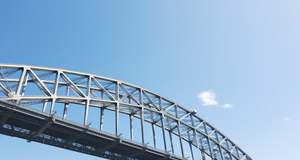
{"x":287,"y":119}
{"x":227,"y":106}
{"x":208,"y":98}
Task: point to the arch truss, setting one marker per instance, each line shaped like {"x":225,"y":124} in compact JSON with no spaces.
{"x":24,"y":86}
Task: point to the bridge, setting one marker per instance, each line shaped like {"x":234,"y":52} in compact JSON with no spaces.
{"x":38,"y":103}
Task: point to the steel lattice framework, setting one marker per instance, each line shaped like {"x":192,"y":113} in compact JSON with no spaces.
{"x":58,"y":86}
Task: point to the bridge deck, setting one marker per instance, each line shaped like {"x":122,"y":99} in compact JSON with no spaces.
{"x":23,"y":122}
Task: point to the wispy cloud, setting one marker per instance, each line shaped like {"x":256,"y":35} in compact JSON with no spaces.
{"x":227,"y":106}
{"x":209,"y":99}
{"x":287,"y":119}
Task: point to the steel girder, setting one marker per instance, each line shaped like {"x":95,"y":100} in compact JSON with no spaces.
{"x":109,"y":94}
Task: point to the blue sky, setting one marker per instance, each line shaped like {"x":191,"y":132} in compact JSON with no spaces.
{"x":242,"y":53}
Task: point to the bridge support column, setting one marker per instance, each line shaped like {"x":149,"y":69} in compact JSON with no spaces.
{"x":52,"y":105}
{"x":117,"y":118}
{"x":162,"y":118}
{"x":101,"y":118}
{"x":65,"y":110}
{"x":117,"y":107}
{"x":21,"y":81}
{"x":66,"y":106}
{"x":202,"y":155}
{"x":221,"y":153}
{"x":163,"y":131}
{"x":196,"y":139}
{"x":154,"y":136}
{"x":153,"y":130}
{"x":142,"y":124}
{"x":190,"y":143}
{"x":24,"y":82}
{"x":171,"y":141}
{"x":222,"y":156}
{"x":86,"y":112}
{"x":44,"y":106}
{"x":179,"y":133}
{"x":87,"y":104}
{"x":131,"y":126}
{"x":191,"y":148}
{"x":209,"y":144}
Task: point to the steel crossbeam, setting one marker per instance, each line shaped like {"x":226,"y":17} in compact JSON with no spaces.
{"x":164,"y":117}
{"x":4,"y":90}
{"x":128,"y":93}
{"x":42,"y":129}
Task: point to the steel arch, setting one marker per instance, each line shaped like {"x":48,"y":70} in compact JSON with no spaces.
{"x":92,"y":90}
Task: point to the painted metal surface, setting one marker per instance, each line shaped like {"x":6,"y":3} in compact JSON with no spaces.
{"x":58,"y":86}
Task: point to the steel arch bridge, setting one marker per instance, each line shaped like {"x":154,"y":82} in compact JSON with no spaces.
{"x":22,"y":87}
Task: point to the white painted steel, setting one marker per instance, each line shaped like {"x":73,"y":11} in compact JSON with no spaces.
{"x":123,"y":98}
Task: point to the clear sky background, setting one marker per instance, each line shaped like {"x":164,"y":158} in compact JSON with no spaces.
{"x":244,"y":52}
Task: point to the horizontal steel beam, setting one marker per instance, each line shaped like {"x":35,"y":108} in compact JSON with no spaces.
{"x":43,"y":128}
{"x":112,"y":98}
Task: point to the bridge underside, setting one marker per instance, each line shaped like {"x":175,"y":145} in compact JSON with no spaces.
{"x":31,"y":96}
{"x":31,"y":125}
